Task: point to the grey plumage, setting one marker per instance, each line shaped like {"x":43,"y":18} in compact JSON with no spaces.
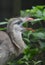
{"x":6,"y":48}
{"x":16,"y":47}
{"x":15,"y":29}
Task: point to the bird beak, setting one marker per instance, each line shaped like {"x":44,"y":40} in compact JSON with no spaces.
{"x":29,"y":19}
{"x":30,"y":29}
{"x":27,"y":29}
{"x":26,"y":20}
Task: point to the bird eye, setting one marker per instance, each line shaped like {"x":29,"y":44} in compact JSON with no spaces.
{"x":19,"y":22}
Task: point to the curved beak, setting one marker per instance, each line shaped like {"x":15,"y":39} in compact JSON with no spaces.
{"x":26,"y":20}
{"x":29,"y":19}
{"x":30,"y":29}
{"x":27,"y":29}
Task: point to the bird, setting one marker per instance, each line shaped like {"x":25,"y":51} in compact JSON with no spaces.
{"x":11,"y":42}
{"x":6,"y":48}
{"x":15,"y":30}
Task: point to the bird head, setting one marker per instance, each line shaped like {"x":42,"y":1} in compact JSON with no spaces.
{"x":15,"y":29}
{"x":16,"y":24}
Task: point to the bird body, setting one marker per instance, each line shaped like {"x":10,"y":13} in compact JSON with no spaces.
{"x":6,"y":48}
{"x":12,"y":44}
{"x":15,"y":29}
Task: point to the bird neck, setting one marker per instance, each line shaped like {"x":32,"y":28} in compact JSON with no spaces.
{"x":18,"y":39}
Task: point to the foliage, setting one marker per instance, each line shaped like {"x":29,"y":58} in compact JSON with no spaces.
{"x":28,"y":57}
{"x":2,"y":24}
{"x":35,"y":45}
{"x":36,"y":12}
{"x":34,"y":38}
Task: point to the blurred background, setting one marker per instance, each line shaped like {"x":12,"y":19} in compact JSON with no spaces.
{"x":11,"y":8}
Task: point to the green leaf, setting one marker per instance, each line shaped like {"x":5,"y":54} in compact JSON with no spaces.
{"x":40,"y":35}
{"x":26,"y":63}
{"x":3,"y":29}
{"x":39,"y":13}
{"x":2,"y":23}
{"x":44,"y":12}
{"x":20,"y":62}
{"x":30,"y":32}
{"x":37,"y":62}
{"x":27,"y":40}
{"x":40,"y":7}
{"x":42,"y":44}
{"x":38,"y":20}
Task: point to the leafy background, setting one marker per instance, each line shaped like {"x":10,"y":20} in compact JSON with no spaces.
{"x":34,"y":54}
